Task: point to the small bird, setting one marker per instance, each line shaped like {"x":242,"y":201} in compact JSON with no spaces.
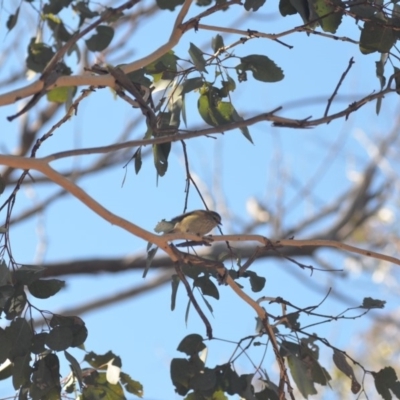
{"x":198,"y":222}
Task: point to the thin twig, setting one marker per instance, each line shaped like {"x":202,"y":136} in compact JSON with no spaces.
{"x":351,"y":62}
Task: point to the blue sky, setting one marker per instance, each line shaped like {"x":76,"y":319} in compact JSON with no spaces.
{"x":144,"y":331}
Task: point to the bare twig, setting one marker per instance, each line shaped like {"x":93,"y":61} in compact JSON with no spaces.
{"x":351,"y":62}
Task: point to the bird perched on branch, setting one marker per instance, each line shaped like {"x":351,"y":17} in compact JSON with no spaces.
{"x":198,"y":222}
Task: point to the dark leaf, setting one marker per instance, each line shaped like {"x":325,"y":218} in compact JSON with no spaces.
{"x":257,"y":282}
{"x":39,"y":55}
{"x":175,"y":284}
{"x":58,"y":28}
{"x":263,"y":68}
{"x":286,"y":8}
{"x":217,"y":43}
{"x":5,"y":274}
{"x":139,"y":77}
{"x":5,"y":344}
{"x":169,"y":4}
{"x":386,"y":380}
{"x":12,"y":20}
{"x":376,"y":36}
{"x":253,"y":4}
{"x":15,"y":304}
{"x":197,"y":57}
{"x":204,"y":380}
{"x":83,"y":11}
{"x":59,"y":338}
{"x":55,"y":6}
{"x":161,"y":153}
{"x":397,"y":79}
{"x":191,"y":344}
{"x":46,"y":379}
{"x":75,"y":367}
{"x":100,"y":40}
{"x":45,"y":288}
{"x":28,"y":274}
{"x":21,"y":371}
{"x":207,"y":286}
{"x":150,"y":256}
{"x":138,"y":160}
{"x":181,"y":372}
{"x":341,"y":363}
{"x":370,"y":303}
{"x":38,"y":343}
{"x":164,"y":64}
{"x":99,"y":361}
{"x":20,"y":334}
{"x":131,"y":385}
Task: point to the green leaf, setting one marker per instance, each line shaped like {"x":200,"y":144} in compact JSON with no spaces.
{"x":197,"y":57}
{"x":12,"y":19}
{"x":253,"y":4}
{"x":100,"y":40}
{"x":191,"y":344}
{"x":375,"y":36}
{"x":333,"y":11}
{"x":175,"y":284}
{"x":131,"y":385}
{"x":217,"y":43}
{"x":45,"y":288}
{"x":97,"y":388}
{"x":263,"y":68}
{"x":301,"y":376}
{"x":206,"y":286}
